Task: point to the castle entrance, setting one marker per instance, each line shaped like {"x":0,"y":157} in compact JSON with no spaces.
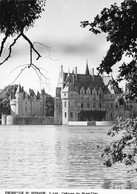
{"x":92,"y":115}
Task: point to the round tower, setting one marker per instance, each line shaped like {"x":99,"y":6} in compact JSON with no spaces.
{"x":19,"y":99}
{"x":13,"y":107}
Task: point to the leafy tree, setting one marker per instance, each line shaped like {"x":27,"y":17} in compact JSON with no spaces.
{"x":49,"y":103}
{"x":124,"y":149}
{"x":49,"y":106}
{"x":120,"y":25}
{"x":5,"y":98}
{"x":17,"y":17}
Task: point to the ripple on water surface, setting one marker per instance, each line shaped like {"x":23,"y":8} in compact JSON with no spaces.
{"x":58,"y":157}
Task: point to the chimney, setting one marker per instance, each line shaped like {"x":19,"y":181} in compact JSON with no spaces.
{"x":61,"y":69}
{"x":92,"y":72}
{"x":75,"y":71}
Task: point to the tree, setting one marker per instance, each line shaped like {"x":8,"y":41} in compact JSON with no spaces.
{"x":16,"y":17}
{"x":120,"y":25}
{"x":5,"y":98}
{"x":49,"y":106}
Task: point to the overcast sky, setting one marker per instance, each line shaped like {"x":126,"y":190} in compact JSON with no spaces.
{"x":58,"y":28}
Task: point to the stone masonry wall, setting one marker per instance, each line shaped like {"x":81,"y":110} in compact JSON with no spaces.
{"x":15,"y":120}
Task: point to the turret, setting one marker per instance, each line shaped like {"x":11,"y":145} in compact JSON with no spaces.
{"x":13,"y":107}
{"x":19,"y":98}
{"x":75,"y":71}
{"x":19,"y":92}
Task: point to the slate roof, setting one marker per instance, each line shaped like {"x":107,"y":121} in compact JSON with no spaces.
{"x":105,"y":83}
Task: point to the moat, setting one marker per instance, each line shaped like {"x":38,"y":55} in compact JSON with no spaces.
{"x":60,"y":157}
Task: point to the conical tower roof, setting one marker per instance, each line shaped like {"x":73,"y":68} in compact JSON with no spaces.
{"x":19,"y":89}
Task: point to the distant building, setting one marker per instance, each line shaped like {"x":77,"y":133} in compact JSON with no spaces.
{"x":88,"y":97}
{"x":23,"y":104}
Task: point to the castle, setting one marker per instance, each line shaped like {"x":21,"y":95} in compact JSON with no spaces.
{"x":23,"y":104}
{"x":79,"y":97}
{"x":28,"y":108}
{"x":89,"y":97}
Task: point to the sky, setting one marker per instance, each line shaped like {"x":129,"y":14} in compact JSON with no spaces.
{"x":70,"y":45}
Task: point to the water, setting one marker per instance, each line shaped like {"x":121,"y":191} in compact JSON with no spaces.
{"x":58,"y":157}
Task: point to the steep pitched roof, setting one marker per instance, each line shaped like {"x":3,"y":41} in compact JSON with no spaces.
{"x":81,"y":80}
{"x":19,"y":89}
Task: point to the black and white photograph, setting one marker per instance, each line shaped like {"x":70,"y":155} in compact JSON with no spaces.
{"x":68,"y":96}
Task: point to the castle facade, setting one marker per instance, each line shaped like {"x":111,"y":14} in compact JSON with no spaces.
{"x":89,"y":97}
{"x":79,"y":97}
{"x":24,"y":104}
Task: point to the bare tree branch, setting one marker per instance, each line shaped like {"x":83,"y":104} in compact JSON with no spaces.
{"x":10,"y":49}
{"x":19,"y":67}
{"x":19,"y":74}
{"x":35,"y":68}
{"x":48,"y":49}
{"x":37,"y":74}
{"x":40,"y":75}
{"x":2,"y":43}
{"x":39,"y":70}
{"x":30,"y":43}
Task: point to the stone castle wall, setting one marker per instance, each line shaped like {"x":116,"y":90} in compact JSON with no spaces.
{"x":15,"y":120}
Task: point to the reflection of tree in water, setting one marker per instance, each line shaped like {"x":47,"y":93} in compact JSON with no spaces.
{"x":110,"y":184}
{"x":129,"y":185}
{"x":107,"y":184}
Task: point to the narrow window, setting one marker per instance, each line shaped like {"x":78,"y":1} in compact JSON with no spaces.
{"x":71,"y":114}
{"x":94,"y":105}
{"x":111,"y":115}
{"x":65,"y":114}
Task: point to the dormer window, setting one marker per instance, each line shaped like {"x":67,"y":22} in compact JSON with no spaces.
{"x":82,"y":91}
{"x":88,"y":91}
